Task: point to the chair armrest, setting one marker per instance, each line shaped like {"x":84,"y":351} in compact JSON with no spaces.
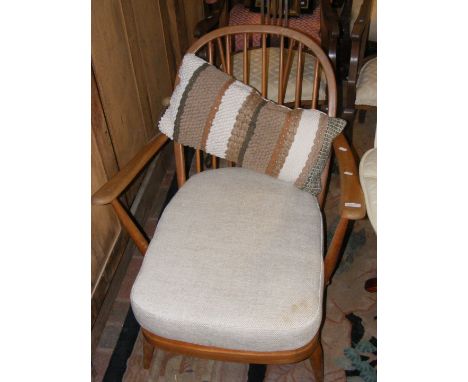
{"x":352,"y":203}
{"x":115,"y":186}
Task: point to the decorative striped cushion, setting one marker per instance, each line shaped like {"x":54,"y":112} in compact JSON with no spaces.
{"x":211,"y":111}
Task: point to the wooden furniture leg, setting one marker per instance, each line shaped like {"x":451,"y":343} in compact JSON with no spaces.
{"x":256,"y":372}
{"x":148,"y":350}
{"x":316,"y":361}
{"x":362,"y":116}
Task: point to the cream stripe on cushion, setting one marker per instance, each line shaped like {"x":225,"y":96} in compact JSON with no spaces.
{"x":189,"y":65}
{"x":225,"y":118}
{"x":301,"y":147}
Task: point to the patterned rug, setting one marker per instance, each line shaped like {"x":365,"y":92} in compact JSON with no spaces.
{"x":349,"y":335}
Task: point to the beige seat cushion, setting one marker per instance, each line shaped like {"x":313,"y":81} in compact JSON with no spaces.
{"x":236,"y":262}
{"x":255,"y":77}
{"x":366,"y":87}
{"x":368,"y":177}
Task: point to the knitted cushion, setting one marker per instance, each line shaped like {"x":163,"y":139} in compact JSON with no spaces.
{"x":211,"y":111}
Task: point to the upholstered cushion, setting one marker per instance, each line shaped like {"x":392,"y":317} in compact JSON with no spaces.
{"x":368,"y":177}
{"x":366,"y":87}
{"x":255,"y":75}
{"x":211,"y":111}
{"x":236,"y":262}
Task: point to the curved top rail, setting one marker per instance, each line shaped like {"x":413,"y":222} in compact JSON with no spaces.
{"x":282,"y":31}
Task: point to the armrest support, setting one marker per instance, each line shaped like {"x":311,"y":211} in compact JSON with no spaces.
{"x":358,"y":40}
{"x":329,"y":29}
{"x":352,"y":203}
{"x":115,"y":186}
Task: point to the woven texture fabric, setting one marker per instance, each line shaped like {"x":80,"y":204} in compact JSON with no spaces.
{"x":255,"y":74}
{"x":236,"y":262}
{"x":211,"y":111}
{"x":308,"y":24}
{"x":366,"y":86}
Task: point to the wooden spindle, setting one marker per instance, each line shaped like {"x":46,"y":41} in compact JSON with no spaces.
{"x":280,"y":12}
{"x":287,"y":69}
{"x":228,"y":55}
{"x":268,"y":16}
{"x":281,"y":72}
{"x":273,"y":9}
{"x":262,"y":13}
{"x":300,"y":65}
{"x":221,"y":53}
{"x":180,"y":164}
{"x":210,"y":52}
{"x":286,"y":12}
{"x":214,"y":162}
{"x":316,"y":87}
{"x":198,"y":162}
{"x":264,"y":67}
{"x":246,"y":58}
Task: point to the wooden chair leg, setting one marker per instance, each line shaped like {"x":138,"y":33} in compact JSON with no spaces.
{"x":362,"y":116}
{"x":148,"y":350}
{"x":316,"y":361}
{"x":256,"y":373}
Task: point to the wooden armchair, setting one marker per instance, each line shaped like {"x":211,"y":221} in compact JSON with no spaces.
{"x":222,"y":278}
{"x":322,"y":26}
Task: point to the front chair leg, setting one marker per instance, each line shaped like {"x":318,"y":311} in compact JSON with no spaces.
{"x":316,"y":361}
{"x":256,"y":373}
{"x":148,"y":350}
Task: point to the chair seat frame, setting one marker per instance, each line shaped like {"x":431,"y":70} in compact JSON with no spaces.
{"x":352,"y":206}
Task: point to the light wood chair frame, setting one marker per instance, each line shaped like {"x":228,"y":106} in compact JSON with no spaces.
{"x":352,"y":206}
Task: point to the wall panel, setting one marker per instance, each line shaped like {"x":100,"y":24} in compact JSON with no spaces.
{"x":136,"y":48}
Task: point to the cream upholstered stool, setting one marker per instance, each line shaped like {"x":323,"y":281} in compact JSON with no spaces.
{"x":267,"y":242}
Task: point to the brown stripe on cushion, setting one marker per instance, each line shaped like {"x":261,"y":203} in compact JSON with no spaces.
{"x":269,"y":125}
{"x":213,"y":111}
{"x":241,"y":125}
{"x":250,"y":130}
{"x":314,"y":153}
{"x":334,"y":127}
{"x":284,"y":143}
{"x":201,"y":98}
{"x":183,"y":99}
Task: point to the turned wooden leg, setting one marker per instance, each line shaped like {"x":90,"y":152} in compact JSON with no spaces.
{"x":316,"y":360}
{"x":148,"y":350}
